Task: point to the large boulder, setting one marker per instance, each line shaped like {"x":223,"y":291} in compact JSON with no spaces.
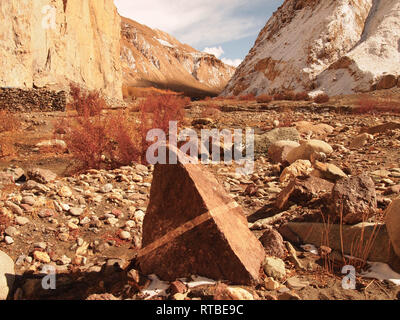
{"x":308,"y":148}
{"x":301,"y":190}
{"x":264,"y":141}
{"x":354,"y":198}
{"x":279,"y":150}
{"x":393,"y":224}
{"x":193,"y":227}
{"x":7,"y":275}
{"x":319,"y":130}
{"x":273,"y":243}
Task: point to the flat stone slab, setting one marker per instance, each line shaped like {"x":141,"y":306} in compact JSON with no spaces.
{"x":363,"y":240}
{"x":193,"y":227}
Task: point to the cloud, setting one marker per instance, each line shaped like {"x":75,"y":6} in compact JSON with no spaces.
{"x":217,"y":52}
{"x":197,"y":22}
{"x":232,"y":62}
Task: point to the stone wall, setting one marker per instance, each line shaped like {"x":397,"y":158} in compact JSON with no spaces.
{"x":27,"y":100}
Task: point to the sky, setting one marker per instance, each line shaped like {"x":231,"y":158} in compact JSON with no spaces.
{"x":225,"y":28}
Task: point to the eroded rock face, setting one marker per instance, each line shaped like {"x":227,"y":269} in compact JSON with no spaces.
{"x":339,"y":47}
{"x":194,"y":227}
{"x":81,"y":44}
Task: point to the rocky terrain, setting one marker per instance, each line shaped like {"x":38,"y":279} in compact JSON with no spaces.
{"x":155,"y":58}
{"x":339,"y":47}
{"x":310,"y":159}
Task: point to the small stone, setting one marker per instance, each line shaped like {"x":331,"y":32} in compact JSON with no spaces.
{"x":63,"y":236}
{"x":130,"y":224}
{"x":65,"y":192}
{"x":125,"y":235}
{"x":241,"y":294}
{"x":112,"y":221}
{"x":106,"y":188}
{"x":274,"y":267}
{"x":40,"y":245}
{"x":8,"y":240}
{"x":271,"y":284}
{"x":76,"y":212}
{"x":41,"y":256}
{"x":72,"y":226}
{"x":11,"y":231}
{"x":289,"y":296}
{"x":178,"y":287}
{"x":361,"y":140}
{"x":29,"y":200}
{"x":84,"y":221}
{"x":296,"y":283}
{"x":21,"y":221}
{"x":297,"y":169}
{"x":273,"y":244}
{"x":46,"y":213}
{"x":64,"y":260}
{"x":179,"y":296}
{"x":14,"y":208}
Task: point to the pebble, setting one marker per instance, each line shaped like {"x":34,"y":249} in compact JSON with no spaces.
{"x":76,"y":212}
{"x":21,"y":221}
{"x":8,"y":240}
{"x":125,"y":235}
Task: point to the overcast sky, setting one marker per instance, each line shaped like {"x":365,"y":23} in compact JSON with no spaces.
{"x":226,"y":28}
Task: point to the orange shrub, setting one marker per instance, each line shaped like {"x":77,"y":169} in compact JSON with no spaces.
{"x":114,"y":140}
{"x":125,"y":139}
{"x":370,"y":105}
{"x":158,"y":111}
{"x":278,"y":96}
{"x":366,"y":105}
{"x":86,"y":103}
{"x":211,"y":110}
{"x":8,"y":124}
{"x":321,"y":98}
{"x":264,"y":98}
{"x":247,"y":97}
{"x":87,"y":141}
{"x":8,"y":121}
{"x":302,"y":96}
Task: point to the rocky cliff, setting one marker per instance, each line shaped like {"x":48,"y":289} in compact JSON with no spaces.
{"x":337,"y":46}
{"x":155,"y":58}
{"x":51,"y":43}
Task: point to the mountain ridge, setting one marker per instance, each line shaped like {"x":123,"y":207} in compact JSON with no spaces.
{"x":323,"y":46}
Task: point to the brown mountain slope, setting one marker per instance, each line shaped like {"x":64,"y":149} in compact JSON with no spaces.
{"x":155,"y":58}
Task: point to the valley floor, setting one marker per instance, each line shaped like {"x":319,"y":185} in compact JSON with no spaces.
{"x":89,"y":225}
